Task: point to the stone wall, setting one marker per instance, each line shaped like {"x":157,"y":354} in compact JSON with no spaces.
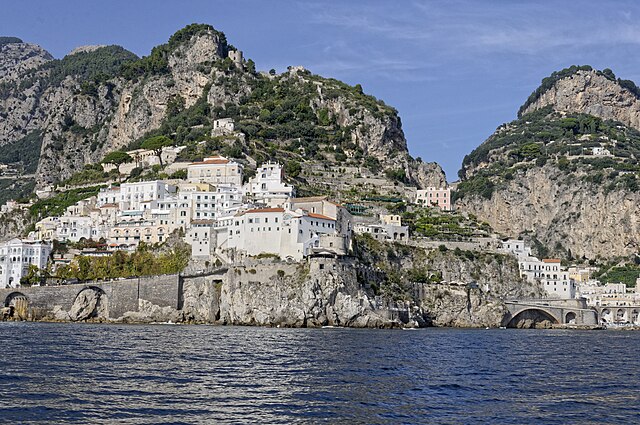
{"x":121,"y":296}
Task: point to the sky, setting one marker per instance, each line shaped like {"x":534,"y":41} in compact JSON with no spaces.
{"x":454,"y":70}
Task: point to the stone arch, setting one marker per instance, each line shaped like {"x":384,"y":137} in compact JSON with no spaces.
{"x":634,"y":316}
{"x":532,"y":317}
{"x":605,"y":316}
{"x":620,"y":315}
{"x":17,"y":304}
{"x":570,"y":318}
{"x":90,"y":303}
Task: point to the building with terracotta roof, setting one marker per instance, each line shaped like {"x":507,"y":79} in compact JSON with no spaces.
{"x":215,"y":170}
{"x":288,"y":234}
{"x":550,"y":272}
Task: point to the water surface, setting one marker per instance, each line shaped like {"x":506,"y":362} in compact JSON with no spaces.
{"x":76,"y":373}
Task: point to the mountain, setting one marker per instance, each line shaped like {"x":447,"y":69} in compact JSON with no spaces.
{"x":67,"y":113}
{"x":564,"y":174}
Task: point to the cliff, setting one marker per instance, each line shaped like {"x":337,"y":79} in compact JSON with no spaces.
{"x":101,"y":98}
{"x":592,"y":92}
{"x":320,"y":292}
{"x":454,"y":288}
{"x":563,"y":175}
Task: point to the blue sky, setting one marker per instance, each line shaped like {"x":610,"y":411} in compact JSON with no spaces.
{"x":455,"y":70}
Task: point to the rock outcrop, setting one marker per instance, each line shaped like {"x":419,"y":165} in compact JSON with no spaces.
{"x":292,"y":297}
{"x":87,"y":305}
{"x":566,"y":213}
{"x":591,"y":92}
{"x":83,"y":116}
{"x":541,"y":178}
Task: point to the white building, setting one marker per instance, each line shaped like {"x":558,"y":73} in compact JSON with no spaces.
{"x":554,"y":278}
{"x":389,"y":228}
{"x":516,"y":247}
{"x":197,"y":201}
{"x":144,"y":195}
{"x":109,"y":195}
{"x":600,"y":151}
{"x":201,"y":237}
{"x":435,"y":197}
{"x":267,"y":186}
{"x":15,"y":257}
{"x":223,"y":126}
{"x":287,"y":234}
{"x":215,"y":170}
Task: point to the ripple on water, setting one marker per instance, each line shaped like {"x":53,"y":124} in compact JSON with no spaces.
{"x":202,"y":374}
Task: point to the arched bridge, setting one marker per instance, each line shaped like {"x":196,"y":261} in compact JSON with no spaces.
{"x":557,"y":312}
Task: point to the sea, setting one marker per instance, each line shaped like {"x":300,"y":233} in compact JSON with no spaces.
{"x":54,"y":373}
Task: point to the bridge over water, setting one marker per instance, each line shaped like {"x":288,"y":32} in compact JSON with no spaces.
{"x":558,"y":312}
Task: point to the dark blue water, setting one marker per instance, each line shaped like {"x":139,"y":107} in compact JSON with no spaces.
{"x":66,"y":373}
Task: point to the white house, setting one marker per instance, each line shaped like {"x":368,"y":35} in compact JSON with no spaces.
{"x":223,"y":126}
{"x":516,"y":247}
{"x":15,"y":257}
{"x":201,"y":237}
{"x":600,"y":151}
{"x":554,"y":278}
{"x":215,"y":170}
{"x":141,"y":196}
{"x":109,"y":195}
{"x":267,"y":186}
{"x":288,"y":234}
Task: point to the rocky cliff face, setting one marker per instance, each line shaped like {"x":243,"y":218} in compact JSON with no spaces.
{"x":452,"y":288}
{"x":322,"y":292}
{"x":331,"y":296}
{"x":82,"y":115}
{"x":591,"y":92}
{"x":564,"y":175}
{"x":567,"y":214}
{"x":19,"y":103}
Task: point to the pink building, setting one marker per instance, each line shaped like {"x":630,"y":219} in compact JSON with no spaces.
{"x":435,"y":197}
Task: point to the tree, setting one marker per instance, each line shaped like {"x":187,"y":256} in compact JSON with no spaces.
{"x":293,"y":168}
{"x":32,"y":277}
{"x":156,"y":144}
{"x":117,"y":158}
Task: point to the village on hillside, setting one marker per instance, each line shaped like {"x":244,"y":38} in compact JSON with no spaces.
{"x":225,"y":221}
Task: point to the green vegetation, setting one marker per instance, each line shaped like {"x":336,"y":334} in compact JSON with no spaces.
{"x":479,"y":185}
{"x":436,"y":224}
{"x":9,"y":40}
{"x":94,"y":67}
{"x":56,"y":205}
{"x":611,"y":273}
{"x":15,"y":188}
{"x":565,"y":141}
{"x":117,"y":158}
{"x":25,"y":151}
{"x":143,"y":262}
{"x":156,"y":144}
{"x":90,"y":174}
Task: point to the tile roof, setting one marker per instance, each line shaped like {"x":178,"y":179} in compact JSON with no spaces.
{"x":324,"y":217}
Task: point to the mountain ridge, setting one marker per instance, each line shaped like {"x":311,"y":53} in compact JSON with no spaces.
{"x":564,"y":175}
{"x":81,"y":115}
